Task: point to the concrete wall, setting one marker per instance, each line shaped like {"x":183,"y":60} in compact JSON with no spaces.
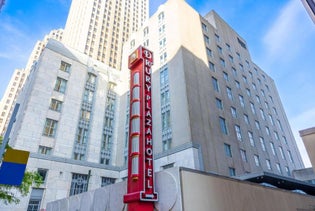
{"x":205,"y":192}
{"x":308,"y":136}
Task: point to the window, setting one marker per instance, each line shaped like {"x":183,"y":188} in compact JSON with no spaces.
{"x":251,"y":138}
{"x":257,"y":125}
{"x":243,"y":155}
{"x":246,"y":119}
{"x":161,"y":16}
{"x":35,"y":199}
{"x":163,"y":42}
{"x":60,"y":85}
{"x":285,"y":140}
{"x":256,"y":159}
{"x":209,"y":52}
{"x":219,"y":103}
{"x":272,"y":146}
{"x":166,"y":120}
{"x":268,"y":131}
{"x":55,"y":105}
{"x":266,"y":105}
{"x":262,"y":114}
{"x":164,"y":76}
{"x":88,"y":96}
{"x":248,"y":92}
{"x":215,"y":84}
{"x":222,"y":62}
{"x":234,"y":71}
{"x":227,"y":149}
{"x":132,"y":43}
{"x":238,"y":55}
{"x":237,"y":83}
{"x":271,"y":119}
{"x":204,"y":27}
{"x":238,"y":132}
{"x":217,"y":37}
{"x":165,"y":98}
{"x":229,"y":93}
{"x":245,"y":79}
{"x":228,"y":47}
{"x":44,"y":150}
{"x":268,"y":164}
{"x":219,"y":50}
{"x":262,"y":143}
{"x":287,"y":170}
{"x":241,"y":67}
{"x":79,"y":184}
{"x":145,"y":31}
{"x":231,"y":59}
{"x":278,"y":168}
{"x":252,"y":107}
{"x":258,"y":99}
{"x":50,"y":128}
{"x":225,"y":76}
{"x":281,"y":152}
{"x":85,"y":115}
{"x":107,"y":181}
{"x":241,"y":98}
{"x":271,"y":99}
{"x":211,"y":66}
{"x":276,"y":135}
{"x":232,"y":171}
{"x":262,"y":92}
{"x":206,"y":39}
{"x":42,"y":173}
{"x":82,"y":136}
{"x":279,"y":124}
{"x":223,"y":125}
{"x":254,"y":86}
{"x":64,"y":66}
{"x":233,"y":112}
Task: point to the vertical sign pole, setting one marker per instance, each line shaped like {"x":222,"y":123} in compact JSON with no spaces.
{"x":141,"y":193}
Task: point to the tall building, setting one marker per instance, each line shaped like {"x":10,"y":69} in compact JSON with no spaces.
{"x":18,"y":78}
{"x":98,"y":28}
{"x":214,"y":109}
{"x":9,"y":98}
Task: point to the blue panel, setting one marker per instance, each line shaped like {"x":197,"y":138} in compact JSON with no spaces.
{"x":12,"y":173}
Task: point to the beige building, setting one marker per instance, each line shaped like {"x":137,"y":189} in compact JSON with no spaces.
{"x":99,"y":28}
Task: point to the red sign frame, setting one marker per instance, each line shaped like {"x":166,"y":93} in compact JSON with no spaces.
{"x":141,"y":193}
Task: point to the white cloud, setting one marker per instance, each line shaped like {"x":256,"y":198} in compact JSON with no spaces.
{"x":283,"y":39}
{"x":300,"y":122}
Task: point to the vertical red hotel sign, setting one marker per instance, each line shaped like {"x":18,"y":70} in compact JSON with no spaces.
{"x":140,"y":191}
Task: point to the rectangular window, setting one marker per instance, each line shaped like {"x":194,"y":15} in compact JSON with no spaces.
{"x":276,"y":135}
{"x":281,"y":152}
{"x":290,"y":156}
{"x":222,"y":62}
{"x":220,"y":50}
{"x":50,"y":128}
{"x":166,"y":120}
{"x":258,"y":99}
{"x":206,"y":39}
{"x":223,"y":125}
{"x":243,"y":155}
{"x":238,"y":85}
{"x":211,"y":66}
{"x":256,"y":158}
{"x":225,"y":76}
{"x":252,"y":107}
{"x":79,"y":184}
{"x":233,"y":112}
{"x":268,"y":163}
{"x":268,"y":131}
{"x":238,"y":132}
{"x":88,"y":96}
{"x":262,"y":114}
{"x":246,"y":119}
{"x":55,"y":105}
{"x":35,"y":199}
{"x":107,"y":181}
{"x":164,"y":76}
{"x":251,"y":138}
{"x":287,"y":170}
{"x":219,"y":103}
{"x":64,"y":66}
{"x":279,"y":168}
{"x":217,"y":37}
{"x":227,"y":149}
{"x":254,"y":86}
{"x":44,"y":150}
{"x":241,"y":67}
{"x":215,"y":84}
{"x":241,"y":98}
{"x":279,"y":124}
{"x":228,"y":47}
{"x":257,"y":125}
{"x":244,"y":79}
{"x":209,"y":52}
{"x":234,"y":71}
{"x":272,"y":146}
{"x":231,"y":59}
{"x":262,"y":143}
{"x":229,"y":93}
{"x":82,"y":136}
{"x":204,"y":27}
{"x":248,"y":92}
{"x":43,"y":174}
{"x":232,"y":171}
{"x":60,"y":85}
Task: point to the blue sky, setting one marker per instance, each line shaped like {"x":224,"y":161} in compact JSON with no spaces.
{"x":279,"y":34}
